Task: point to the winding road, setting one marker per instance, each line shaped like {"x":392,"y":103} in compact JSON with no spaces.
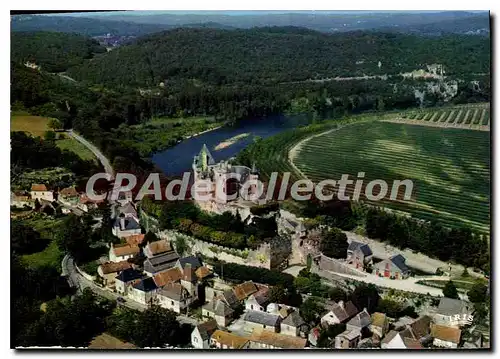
{"x":105,"y":162}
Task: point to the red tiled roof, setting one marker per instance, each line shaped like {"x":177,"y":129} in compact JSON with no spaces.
{"x":38,"y":188}
{"x":135,"y":239}
{"x":113,"y":267}
{"x":125,"y":249}
{"x":169,"y":276}
{"x":70,"y":192}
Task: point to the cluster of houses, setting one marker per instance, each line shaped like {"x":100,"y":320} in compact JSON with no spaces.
{"x":69,"y":198}
{"x":360,"y":256}
{"x":265,"y":325}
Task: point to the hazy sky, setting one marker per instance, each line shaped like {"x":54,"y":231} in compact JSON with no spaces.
{"x":239,"y":12}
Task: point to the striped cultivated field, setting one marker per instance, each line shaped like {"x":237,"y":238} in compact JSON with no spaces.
{"x":474,"y":116}
{"x":449,"y":165}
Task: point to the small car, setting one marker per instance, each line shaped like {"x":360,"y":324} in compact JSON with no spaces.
{"x":120,"y":300}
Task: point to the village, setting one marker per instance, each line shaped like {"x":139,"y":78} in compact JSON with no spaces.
{"x":253,"y":314}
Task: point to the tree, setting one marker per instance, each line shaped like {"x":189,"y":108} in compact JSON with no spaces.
{"x":68,"y":322}
{"x":328,"y":334}
{"x":73,"y":237}
{"x":365,"y":296}
{"x":277,"y":294}
{"x":334,"y":244}
{"x":450,"y":291}
{"x":25,"y":240}
{"x":50,"y":135}
{"x":181,"y":246}
{"x":150,"y":237}
{"x":310,"y":310}
{"x":477,"y":294}
{"x":54,"y":124}
{"x":337,"y":294}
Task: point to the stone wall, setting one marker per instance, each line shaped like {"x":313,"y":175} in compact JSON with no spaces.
{"x":85,"y":274}
{"x":268,"y":255}
{"x":325,"y":263}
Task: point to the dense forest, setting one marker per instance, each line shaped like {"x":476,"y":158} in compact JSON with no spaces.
{"x":81,"y":25}
{"x":53,"y":51}
{"x":231,"y":75}
{"x":278,"y":54}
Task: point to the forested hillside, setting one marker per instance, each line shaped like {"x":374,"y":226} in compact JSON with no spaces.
{"x":278,"y":54}
{"x":53,"y":51}
{"x":81,"y":25}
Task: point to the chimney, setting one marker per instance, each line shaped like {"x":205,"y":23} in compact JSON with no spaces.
{"x":122,"y":223}
{"x":341,"y":303}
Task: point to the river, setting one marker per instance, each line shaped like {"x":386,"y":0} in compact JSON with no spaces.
{"x":178,"y":159}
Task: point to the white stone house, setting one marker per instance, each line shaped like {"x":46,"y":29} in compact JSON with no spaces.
{"x":144,"y":292}
{"x":348,"y":339}
{"x":125,"y":226}
{"x":126,"y":279}
{"x":119,"y":253}
{"x":218,"y":310}
{"x":108,"y":271}
{"x":339,"y":313}
{"x":294,"y":325}
{"x":262,"y":321}
{"x":40,"y":192}
{"x":201,"y":334}
{"x":258,"y":301}
{"x":174,"y":296}
{"x":69,"y":196}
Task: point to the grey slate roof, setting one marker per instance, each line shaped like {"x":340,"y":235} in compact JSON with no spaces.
{"x":206,"y":329}
{"x":127,"y":209}
{"x":128,"y":275}
{"x":195,"y":262}
{"x":448,"y":306}
{"x":130,"y":223}
{"x":160,"y":262}
{"x":399,"y":261}
{"x":294,"y":320}
{"x":218,"y":307}
{"x":264,"y":318}
{"x":361,"y":320}
{"x":146,"y":285}
{"x":173,"y":291}
{"x":230,"y":297}
{"x":365,"y":248}
{"x":348,"y":310}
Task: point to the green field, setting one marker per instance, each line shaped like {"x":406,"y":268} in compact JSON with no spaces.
{"x":35,"y":125}
{"x":73,"y":145}
{"x":51,"y":256}
{"x":449,"y":167}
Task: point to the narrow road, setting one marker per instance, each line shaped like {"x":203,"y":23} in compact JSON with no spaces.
{"x":105,"y":162}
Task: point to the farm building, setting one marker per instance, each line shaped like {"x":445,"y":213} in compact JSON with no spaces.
{"x":393,"y":267}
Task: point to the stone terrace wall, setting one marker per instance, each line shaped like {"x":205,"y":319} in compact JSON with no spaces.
{"x":260,"y":257}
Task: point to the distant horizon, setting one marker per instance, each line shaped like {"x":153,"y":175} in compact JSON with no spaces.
{"x":250,"y":12}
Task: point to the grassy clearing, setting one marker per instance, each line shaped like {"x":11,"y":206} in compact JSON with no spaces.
{"x":73,"y":145}
{"x":50,"y":256}
{"x":35,"y":125}
{"x":161,"y":133}
{"x":450,"y":168}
